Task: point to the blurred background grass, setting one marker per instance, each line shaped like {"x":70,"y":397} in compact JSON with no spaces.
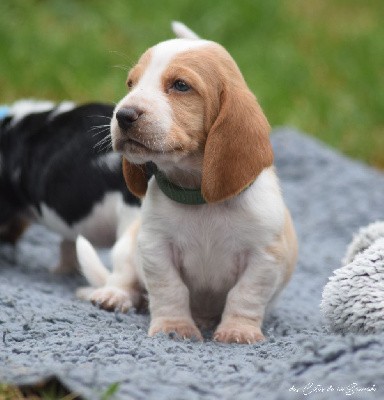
{"x":317,"y":65}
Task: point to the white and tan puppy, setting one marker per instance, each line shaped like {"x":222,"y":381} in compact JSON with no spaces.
{"x":215,"y":241}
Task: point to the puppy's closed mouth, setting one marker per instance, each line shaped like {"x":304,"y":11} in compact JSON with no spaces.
{"x":137,"y":143}
{"x":123,"y":144}
{"x":133,"y":145}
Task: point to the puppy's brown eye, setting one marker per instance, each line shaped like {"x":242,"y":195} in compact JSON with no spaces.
{"x":180,"y":86}
{"x":129,"y":83}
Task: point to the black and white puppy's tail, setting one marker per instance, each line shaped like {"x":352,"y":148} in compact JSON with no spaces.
{"x":91,"y":265}
{"x":111,"y":290}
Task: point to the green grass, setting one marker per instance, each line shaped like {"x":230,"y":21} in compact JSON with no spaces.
{"x":317,"y":65}
{"x":51,"y":390}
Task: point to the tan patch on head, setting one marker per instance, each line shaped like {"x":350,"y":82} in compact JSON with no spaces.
{"x":198,"y":68}
{"x":204,"y":65}
{"x":223,"y":116}
{"x":137,"y":71}
{"x":187,"y":131}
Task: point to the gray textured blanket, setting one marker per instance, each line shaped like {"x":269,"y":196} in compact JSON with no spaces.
{"x":46,"y":331}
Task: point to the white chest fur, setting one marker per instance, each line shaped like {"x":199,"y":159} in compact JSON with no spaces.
{"x":209,"y":245}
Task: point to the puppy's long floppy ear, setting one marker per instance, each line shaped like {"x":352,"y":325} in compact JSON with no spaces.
{"x":135,"y":177}
{"x":238,"y":146}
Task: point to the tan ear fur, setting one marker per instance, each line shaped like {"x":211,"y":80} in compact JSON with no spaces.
{"x":135,"y":178}
{"x":238,"y":146}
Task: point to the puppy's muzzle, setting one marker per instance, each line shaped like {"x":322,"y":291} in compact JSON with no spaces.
{"x":127,"y":116}
{"x":131,"y":129}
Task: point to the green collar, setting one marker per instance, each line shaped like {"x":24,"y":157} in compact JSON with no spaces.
{"x":178,"y":193}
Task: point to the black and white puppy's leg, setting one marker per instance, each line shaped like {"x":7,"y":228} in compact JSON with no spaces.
{"x":68,"y":259}
{"x":117,"y":290}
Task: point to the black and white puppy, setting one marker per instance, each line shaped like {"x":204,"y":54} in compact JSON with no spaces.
{"x":57,"y":168}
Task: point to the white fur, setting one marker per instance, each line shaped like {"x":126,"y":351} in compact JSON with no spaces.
{"x":87,"y":256}
{"x":353,"y":298}
{"x":198,"y":239}
{"x":182,"y":31}
{"x":363,"y":239}
{"x":110,"y":212}
{"x":62,"y":107}
{"x":19,"y":109}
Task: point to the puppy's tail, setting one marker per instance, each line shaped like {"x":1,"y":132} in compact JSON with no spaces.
{"x":90,"y":264}
{"x":182,"y":31}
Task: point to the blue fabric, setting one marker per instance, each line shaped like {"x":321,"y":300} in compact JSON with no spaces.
{"x":45,"y":330}
{"x":4,"y":111}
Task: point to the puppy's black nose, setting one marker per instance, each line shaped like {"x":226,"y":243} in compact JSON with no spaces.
{"x":126,"y":116}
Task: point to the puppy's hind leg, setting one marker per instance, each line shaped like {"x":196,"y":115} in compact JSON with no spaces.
{"x":68,"y":261}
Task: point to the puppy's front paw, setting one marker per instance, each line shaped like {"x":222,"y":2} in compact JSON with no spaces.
{"x":238,"y":333}
{"x":111,"y":299}
{"x":183,"y":328}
